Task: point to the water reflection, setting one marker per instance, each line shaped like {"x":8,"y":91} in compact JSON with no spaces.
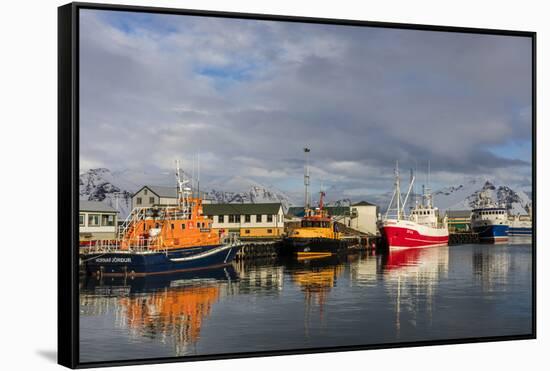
{"x":315,"y":278}
{"x":433,"y":293}
{"x":411,"y":279}
{"x":172,"y":308}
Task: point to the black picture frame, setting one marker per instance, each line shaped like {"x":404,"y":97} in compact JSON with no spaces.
{"x":68,"y":175}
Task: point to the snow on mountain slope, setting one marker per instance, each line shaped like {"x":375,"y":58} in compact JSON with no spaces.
{"x":115,"y":188}
{"x":473,"y":192}
{"x":104,"y":186}
{"x":243,"y":190}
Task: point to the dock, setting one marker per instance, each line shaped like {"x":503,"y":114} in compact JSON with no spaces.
{"x":258,"y":250}
{"x":463,"y":238}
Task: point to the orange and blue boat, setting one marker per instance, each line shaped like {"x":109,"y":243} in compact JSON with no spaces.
{"x":163,"y":240}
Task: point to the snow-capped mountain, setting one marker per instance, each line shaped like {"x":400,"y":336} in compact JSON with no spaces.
{"x":340,"y":202}
{"x":103,"y":185}
{"x":475,"y":192}
{"x":115,"y":188}
{"x":242,"y":190}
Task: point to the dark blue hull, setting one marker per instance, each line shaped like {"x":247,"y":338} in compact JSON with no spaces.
{"x":492,"y":233}
{"x":140,"y":264}
{"x":520,"y":231}
{"x":152,"y":283}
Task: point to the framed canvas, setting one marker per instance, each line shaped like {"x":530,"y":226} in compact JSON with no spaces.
{"x":240,"y":185}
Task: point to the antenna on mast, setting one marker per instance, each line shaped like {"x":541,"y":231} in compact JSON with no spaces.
{"x":428,"y":189}
{"x":306,"y":179}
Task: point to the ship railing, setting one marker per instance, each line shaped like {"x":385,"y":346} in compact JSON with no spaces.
{"x":231,"y":239}
{"x":137,"y":214}
{"x":99,"y":246}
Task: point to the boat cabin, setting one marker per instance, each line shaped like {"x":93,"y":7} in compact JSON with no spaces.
{"x":425,"y":215}
{"x":490,"y":214}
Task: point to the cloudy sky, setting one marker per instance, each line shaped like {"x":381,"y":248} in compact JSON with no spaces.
{"x":249,"y":95}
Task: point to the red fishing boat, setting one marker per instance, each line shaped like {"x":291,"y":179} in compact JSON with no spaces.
{"x":422,"y":228}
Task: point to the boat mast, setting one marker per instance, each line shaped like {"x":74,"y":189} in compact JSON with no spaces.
{"x":183,"y":191}
{"x":428,"y":191}
{"x":306,"y":180}
{"x":398,"y":190}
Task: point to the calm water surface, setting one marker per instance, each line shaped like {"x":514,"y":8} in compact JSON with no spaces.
{"x":436,"y":293}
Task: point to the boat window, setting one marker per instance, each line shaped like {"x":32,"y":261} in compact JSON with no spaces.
{"x":270,"y":231}
{"x":144,"y":226}
{"x":172,"y":226}
{"x":247,"y":231}
{"x":202,"y":225}
{"x":247,"y":218}
{"x":259,"y":218}
{"x":182,"y":225}
{"x":81,"y":219}
{"x":198,"y":225}
{"x":220,"y":218}
{"x":237,"y":218}
{"x":269,"y":218}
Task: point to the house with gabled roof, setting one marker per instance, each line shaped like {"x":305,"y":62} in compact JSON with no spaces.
{"x":155,"y":196}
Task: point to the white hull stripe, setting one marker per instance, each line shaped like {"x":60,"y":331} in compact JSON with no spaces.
{"x":420,"y":240}
{"x":418,"y":247}
{"x":205,"y":254}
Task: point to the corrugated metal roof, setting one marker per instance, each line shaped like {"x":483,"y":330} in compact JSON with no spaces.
{"x":241,"y":209}
{"x":96,"y":206}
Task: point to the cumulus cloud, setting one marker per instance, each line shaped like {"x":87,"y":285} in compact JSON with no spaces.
{"x":249,"y":95}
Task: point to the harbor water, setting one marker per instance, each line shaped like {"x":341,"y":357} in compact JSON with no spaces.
{"x":463,"y":291}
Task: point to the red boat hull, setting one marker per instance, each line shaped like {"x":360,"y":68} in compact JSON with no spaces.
{"x":398,"y":236}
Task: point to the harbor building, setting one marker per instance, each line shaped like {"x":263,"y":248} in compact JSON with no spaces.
{"x":97,"y":221}
{"x":254,"y":221}
{"x":364,"y":218}
{"x":459,"y":220}
{"x":149,"y":196}
{"x":361,"y":216}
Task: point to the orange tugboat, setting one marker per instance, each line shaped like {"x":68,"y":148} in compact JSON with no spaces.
{"x":157,"y":239}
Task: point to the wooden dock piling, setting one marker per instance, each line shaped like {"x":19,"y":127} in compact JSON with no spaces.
{"x":463,"y":238}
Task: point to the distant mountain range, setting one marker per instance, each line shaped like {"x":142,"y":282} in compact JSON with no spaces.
{"x":116,"y":189}
{"x":243,"y":190}
{"x":474,"y":192}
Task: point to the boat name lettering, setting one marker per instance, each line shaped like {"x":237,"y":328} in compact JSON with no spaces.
{"x":114,"y":260}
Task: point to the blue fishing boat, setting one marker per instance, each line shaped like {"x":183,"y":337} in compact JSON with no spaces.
{"x":491,"y":224}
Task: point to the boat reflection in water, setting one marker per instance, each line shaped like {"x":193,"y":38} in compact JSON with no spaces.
{"x":315,"y":278}
{"x":172,"y":308}
{"x":411,"y":279}
{"x":274,"y":304}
